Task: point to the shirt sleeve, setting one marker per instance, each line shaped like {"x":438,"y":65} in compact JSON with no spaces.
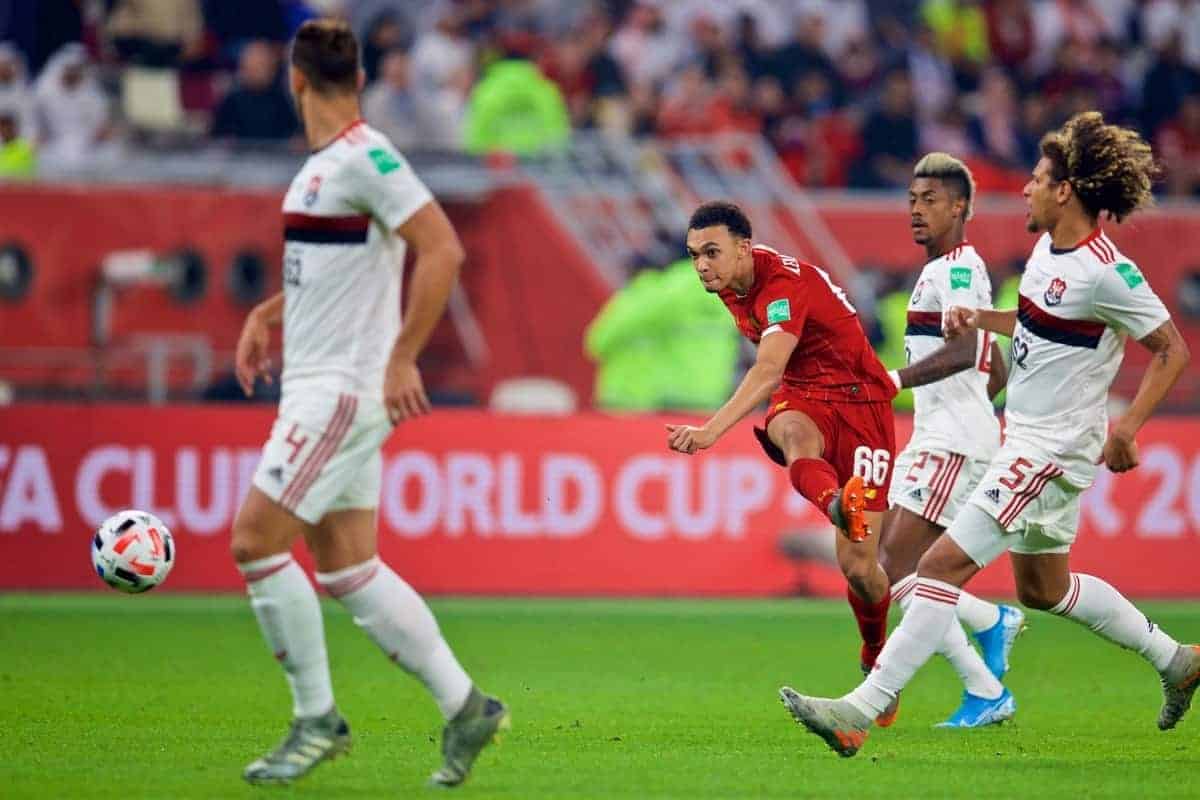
{"x":782,"y":305}
{"x":386,"y":186}
{"x":1124,"y":299}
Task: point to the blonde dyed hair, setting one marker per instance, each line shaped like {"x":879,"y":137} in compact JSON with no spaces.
{"x":952,"y":172}
{"x":1111,"y":169}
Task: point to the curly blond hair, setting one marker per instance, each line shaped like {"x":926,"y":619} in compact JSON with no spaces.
{"x":1110,"y":168}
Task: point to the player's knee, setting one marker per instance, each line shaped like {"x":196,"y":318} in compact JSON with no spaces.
{"x":246,"y":542}
{"x":1041,"y":598}
{"x":857,"y":569}
{"x":893,"y":567}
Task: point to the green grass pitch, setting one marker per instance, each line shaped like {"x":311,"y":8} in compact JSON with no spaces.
{"x":162,"y":696}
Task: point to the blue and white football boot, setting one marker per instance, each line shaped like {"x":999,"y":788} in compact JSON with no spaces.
{"x":975,"y":712}
{"x":997,"y":641}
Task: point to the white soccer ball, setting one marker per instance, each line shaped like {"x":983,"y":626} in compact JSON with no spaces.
{"x":133,"y":551}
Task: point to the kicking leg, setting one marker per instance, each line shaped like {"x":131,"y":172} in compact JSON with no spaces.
{"x":401,"y":624}
{"x":1044,"y":581}
{"x":289,"y":617}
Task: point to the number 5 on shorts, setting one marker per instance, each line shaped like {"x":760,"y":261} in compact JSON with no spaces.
{"x":871,"y":465}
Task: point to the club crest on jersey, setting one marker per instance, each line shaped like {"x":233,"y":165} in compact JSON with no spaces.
{"x":310,"y":194}
{"x":1055,"y":291}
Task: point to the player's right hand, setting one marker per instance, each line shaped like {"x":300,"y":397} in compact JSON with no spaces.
{"x":958,"y":320}
{"x":251,"y":359}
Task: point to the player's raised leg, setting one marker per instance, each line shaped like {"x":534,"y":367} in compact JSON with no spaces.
{"x":395,"y":617}
{"x":289,"y":617}
{"x":1045,"y":581}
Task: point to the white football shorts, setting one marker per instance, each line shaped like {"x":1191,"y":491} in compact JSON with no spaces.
{"x":933,"y":483}
{"x":1034,"y":508}
{"x":324,"y":454}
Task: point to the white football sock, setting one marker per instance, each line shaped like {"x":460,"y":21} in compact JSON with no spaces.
{"x":976,"y":677}
{"x":1102,"y":608}
{"x":917,"y":638}
{"x":289,"y":616}
{"x":976,"y":614}
{"x":397,"y":619}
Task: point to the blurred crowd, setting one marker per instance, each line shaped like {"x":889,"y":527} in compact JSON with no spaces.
{"x":848,"y":92}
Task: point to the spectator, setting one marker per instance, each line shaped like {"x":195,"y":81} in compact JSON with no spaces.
{"x":1162,"y":19}
{"x":931,"y":71}
{"x":385,"y":34}
{"x":1167,"y":80}
{"x":858,"y":66}
{"x":515,"y":109}
{"x":685,"y":104}
{"x":804,"y":53}
{"x":15,"y":95}
{"x":72,"y":110}
{"x":947,"y":133}
{"x":442,"y":65}
{"x":1178,"y":145}
{"x":258,"y":108}
{"x":889,"y":138}
{"x":1056,"y":22}
{"x":960,"y":28}
{"x":390,"y":104}
{"x":994,"y":128}
{"x":1010,"y":33}
{"x":156,"y":33}
{"x":18,"y":158}
{"x":1036,"y":119}
{"x":645,"y":48}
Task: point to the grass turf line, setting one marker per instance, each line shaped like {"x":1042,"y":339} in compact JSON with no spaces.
{"x":169,"y":696}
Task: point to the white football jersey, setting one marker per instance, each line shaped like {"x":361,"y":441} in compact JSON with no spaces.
{"x":342,"y":263}
{"x":952,"y":414}
{"x":1075,"y":309}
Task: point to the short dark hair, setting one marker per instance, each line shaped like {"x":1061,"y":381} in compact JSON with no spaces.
{"x":1110,"y":168}
{"x":954,"y":174}
{"x":326,"y":53}
{"x":719,"y":212}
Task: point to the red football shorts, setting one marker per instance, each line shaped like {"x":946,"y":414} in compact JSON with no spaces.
{"x":860,"y":438}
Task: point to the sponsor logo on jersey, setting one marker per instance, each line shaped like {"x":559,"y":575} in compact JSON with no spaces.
{"x":870,"y":494}
{"x":385,"y":162}
{"x":778,"y":311}
{"x":291,"y":269}
{"x":780,"y":406}
{"x":1055,"y":291}
{"x":314,"y":188}
{"x":993,"y":495}
{"x":916,"y":295}
{"x":960,"y":277}
{"x":1130,"y":274}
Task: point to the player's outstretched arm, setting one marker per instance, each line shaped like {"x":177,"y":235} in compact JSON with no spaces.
{"x":1171,"y":356}
{"x":756,"y":387}
{"x":959,"y":319}
{"x":954,"y":356}
{"x":250,"y":359}
{"x":439,"y":257}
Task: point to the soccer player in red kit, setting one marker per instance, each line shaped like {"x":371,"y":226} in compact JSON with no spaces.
{"x":830,"y":417}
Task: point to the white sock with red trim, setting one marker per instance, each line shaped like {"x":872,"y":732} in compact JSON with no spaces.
{"x":289,"y":616}
{"x":1095,"y":603}
{"x":976,"y":677}
{"x":917,"y":638}
{"x":397,"y":619}
{"x":976,"y":614}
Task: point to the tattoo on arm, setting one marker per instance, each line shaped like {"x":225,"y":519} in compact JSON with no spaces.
{"x":954,"y":356}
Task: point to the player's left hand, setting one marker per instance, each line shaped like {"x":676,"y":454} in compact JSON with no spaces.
{"x":688,"y":438}
{"x":403,"y":391}
{"x":1120,"y":453}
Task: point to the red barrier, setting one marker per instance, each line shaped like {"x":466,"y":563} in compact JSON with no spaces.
{"x":474,"y":503}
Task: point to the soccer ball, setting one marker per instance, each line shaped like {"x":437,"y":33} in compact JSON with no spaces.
{"x":133,"y":551}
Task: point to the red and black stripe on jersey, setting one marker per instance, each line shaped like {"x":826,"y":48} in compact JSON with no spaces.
{"x":924,"y":323}
{"x":326,"y":230}
{"x":1073,"y":332}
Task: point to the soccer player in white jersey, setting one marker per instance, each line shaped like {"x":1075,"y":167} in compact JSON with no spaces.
{"x":1079,"y":300}
{"x":955,"y":431}
{"x":349,"y":376}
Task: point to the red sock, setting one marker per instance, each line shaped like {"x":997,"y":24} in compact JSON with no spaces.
{"x":816,"y":481}
{"x":872,"y":624}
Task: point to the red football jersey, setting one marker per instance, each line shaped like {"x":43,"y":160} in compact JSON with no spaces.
{"x":833,"y":358}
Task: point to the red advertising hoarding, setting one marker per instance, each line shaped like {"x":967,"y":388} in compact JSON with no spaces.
{"x":475,"y":503}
